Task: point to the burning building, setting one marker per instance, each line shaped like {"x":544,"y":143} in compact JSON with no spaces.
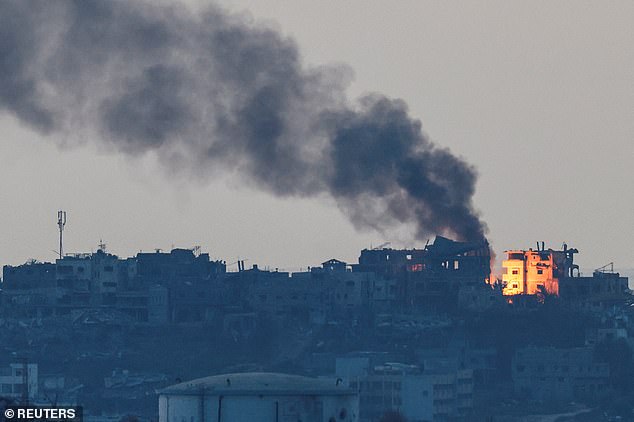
{"x":537,"y":271}
{"x":551,"y":272}
{"x":432,"y":277}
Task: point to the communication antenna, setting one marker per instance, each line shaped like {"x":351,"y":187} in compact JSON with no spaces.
{"x":61,"y":222}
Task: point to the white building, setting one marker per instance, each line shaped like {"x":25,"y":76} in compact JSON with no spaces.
{"x":258,"y":397}
{"x":17,"y":380}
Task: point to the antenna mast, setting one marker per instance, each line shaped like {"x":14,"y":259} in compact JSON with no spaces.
{"x":61,"y":222}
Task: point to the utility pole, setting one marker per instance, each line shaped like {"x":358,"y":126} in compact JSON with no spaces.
{"x":61,"y":222}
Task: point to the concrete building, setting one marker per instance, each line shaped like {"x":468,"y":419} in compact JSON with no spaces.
{"x":547,"y":373}
{"x":258,"y":397}
{"x":538,"y":271}
{"x":552,"y":272}
{"x":19,"y":381}
{"x":182,"y":265}
{"x":601,"y":291}
{"x":29,"y":290}
{"x":433,"y":394}
{"x":151,"y":287}
{"x":332,"y":289}
{"x":431,"y":278}
{"x":482,"y":362}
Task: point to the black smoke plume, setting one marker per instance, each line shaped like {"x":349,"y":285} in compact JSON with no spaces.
{"x":214,"y":92}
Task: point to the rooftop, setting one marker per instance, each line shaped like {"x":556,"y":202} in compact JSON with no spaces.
{"x":249,"y":383}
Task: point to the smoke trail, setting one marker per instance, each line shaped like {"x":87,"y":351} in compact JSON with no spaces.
{"x":214,"y":92}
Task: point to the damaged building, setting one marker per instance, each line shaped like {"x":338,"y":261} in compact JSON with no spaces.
{"x":432,"y":277}
{"x":547,"y":272}
{"x":135,"y":286}
{"x":184,"y":285}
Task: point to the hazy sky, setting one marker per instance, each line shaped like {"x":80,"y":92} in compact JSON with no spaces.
{"x":539,"y":96}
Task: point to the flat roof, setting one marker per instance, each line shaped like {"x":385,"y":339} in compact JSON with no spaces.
{"x":252,"y":383}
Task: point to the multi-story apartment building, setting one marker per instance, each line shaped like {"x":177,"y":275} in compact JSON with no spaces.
{"x":19,"y":382}
{"x":421,"y":395}
{"x":547,"y":373}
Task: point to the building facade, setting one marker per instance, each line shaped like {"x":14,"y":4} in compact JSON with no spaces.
{"x":547,"y":373}
{"x":19,"y":381}
{"x":431,"y":394}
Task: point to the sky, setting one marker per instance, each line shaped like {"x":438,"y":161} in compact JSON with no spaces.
{"x":538,"y":96}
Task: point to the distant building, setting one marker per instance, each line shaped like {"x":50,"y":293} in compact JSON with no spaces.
{"x":552,"y":272}
{"x":32,"y":275}
{"x":602,"y":290}
{"x":151,"y":287}
{"x":546,"y":373}
{"x":433,"y":394}
{"x":431,"y":277}
{"x":460,"y":355}
{"x":332,"y":289}
{"x":182,"y":265}
{"x":19,"y":381}
{"x":29,"y":290}
{"x":258,"y":397}
{"x":538,"y":271}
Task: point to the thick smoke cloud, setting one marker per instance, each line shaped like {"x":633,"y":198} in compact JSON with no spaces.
{"x":214,"y":92}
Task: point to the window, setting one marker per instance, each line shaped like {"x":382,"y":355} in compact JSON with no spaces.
{"x":540,"y":271}
{"x":516,"y":272}
{"x":64,"y":269}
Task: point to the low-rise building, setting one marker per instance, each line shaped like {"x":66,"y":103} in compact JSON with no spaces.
{"x":601,"y":291}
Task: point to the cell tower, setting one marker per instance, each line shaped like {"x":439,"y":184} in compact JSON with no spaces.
{"x":61,"y":222}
